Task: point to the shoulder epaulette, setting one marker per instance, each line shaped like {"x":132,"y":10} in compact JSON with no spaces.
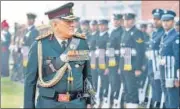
{"x":47,"y":34}
{"x":79,"y":35}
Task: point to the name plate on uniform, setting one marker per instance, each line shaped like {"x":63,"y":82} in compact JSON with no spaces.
{"x":78,"y":55}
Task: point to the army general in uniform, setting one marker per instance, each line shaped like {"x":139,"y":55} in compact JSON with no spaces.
{"x":59,"y":64}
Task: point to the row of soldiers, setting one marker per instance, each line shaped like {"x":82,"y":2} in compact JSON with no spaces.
{"x":132,"y":59}
{"x":17,"y":47}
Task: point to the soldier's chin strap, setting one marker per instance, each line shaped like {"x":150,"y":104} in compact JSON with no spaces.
{"x":61,"y":71}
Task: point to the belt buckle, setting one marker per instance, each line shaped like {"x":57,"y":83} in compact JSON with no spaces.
{"x":63,"y":97}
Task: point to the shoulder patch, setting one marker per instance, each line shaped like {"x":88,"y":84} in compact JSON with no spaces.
{"x":47,"y":34}
{"x":79,"y":35}
{"x":139,"y":40}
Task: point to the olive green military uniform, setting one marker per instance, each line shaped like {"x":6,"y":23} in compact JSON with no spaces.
{"x":45,"y":64}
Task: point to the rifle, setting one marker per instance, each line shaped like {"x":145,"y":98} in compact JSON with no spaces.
{"x":142,"y":91}
{"x":97,"y":100}
{"x":162,"y":100}
{"x":117,"y":102}
{"x":106,"y":100}
{"x":150,"y":97}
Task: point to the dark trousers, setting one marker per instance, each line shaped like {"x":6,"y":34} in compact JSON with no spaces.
{"x":95,"y":75}
{"x":5,"y":63}
{"x":156,"y":90}
{"x":104,"y":84}
{"x":173,"y":97}
{"x":163,"y":86}
{"x":131,"y":87}
{"x":115,"y":82}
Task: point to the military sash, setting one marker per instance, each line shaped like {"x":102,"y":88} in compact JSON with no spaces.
{"x":126,"y":52}
{"x":111,"y":55}
{"x":101,"y":59}
{"x":169,"y":63}
{"x":155,"y":64}
{"x":25,"y":51}
{"x":93,"y":59}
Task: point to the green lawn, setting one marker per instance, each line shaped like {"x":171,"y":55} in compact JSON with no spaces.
{"x":11,"y":94}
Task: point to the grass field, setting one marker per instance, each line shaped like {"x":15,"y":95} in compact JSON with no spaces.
{"x":11,"y":94}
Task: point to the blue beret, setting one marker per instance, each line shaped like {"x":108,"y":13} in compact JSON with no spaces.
{"x":93,"y":22}
{"x":168,"y":15}
{"x":129,"y":16}
{"x":103,"y":21}
{"x":157,"y":13}
{"x":85,"y":22}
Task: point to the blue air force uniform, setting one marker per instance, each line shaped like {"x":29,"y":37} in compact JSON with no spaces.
{"x":153,"y":55}
{"x":132,"y":53}
{"x":113,"y":48}
{"x":169,"y":62}
{"x":73,"y":80}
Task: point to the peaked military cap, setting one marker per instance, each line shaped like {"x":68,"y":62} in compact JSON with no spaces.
{"x":129,"y":16}
{"x":85,"y":22}
{"x":77,"y":19}
{"x":157,"y":13}
{"x":93,"y":22}
{"x":168,"y":15}
{"x":31,"y":15}
{"x":143,"y":25}
{"x":63,"y":12}
{"x":103,"y":21}
{"x":117,"y":16}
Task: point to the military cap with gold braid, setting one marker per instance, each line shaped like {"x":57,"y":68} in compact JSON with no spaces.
{"x":64,"y":12}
